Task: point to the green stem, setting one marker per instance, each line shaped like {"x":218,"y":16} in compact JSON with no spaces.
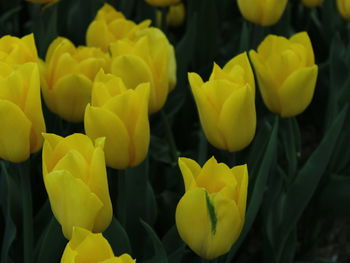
{"x":122,"y":197}
{"x":163,"y":23}
{"x":27,"y":210}
{"x":170,"y":138}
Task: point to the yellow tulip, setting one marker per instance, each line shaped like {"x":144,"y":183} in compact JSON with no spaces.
{"x":162,"y":3}
{"x":312,"y":3}
{"x":67,"y":76}
{"x":120,"y":115}
{"x":286,"y":73}
{"x":151,"y":58}
{"x":109,"y":26}
{"x":344,"y":8}
{"x":15,"y":51}
{"x":175,"y":16}
{"x":93,"y":248}
{"x":261,"y":12}
{"x":76,"y":182}
{"x":226,"y":102}
{"x":21,"y":116}
{"x":210,"y":215}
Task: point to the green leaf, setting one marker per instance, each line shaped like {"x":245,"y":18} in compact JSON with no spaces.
{"x":160,"y":255}
{"x":117,"y":238}
{"x":10,"y":230}
{"x":52,"y":243}
{"x":259,"y":188}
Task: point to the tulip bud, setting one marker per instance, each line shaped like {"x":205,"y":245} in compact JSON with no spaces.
{"x":226,"y":102}
{"x":344,"y":8}
{"x":261,"y":12}
{"x":210,"y":215}
{"x":93,"y":248}
{"x":162,"y":3}
{"x":312,"y":3}
{"x":76,"y":182}
{"x":176,"y":15}
{"x":120,"y":115}
{"x":151,"y":58}
{"x":21,"y":116}
{"x":286,"y":72}
{"x":109,"y":26}
{"x":67,"y":77}
{"x":15,"y":51}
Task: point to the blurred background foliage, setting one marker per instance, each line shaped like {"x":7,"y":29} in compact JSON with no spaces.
{"x":299,"y":168}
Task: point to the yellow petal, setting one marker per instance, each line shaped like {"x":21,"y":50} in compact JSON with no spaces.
{"x":72,"y":93}
{"x":14,"y":133}
{"x":72,"y":202}
{"x":297,"y":91}
{"x":241,"y":174}
{"x":98,"y":35}
{"x":97,"y":182}
{"x":207,"y":113}
{"x":190,"y":170}
{"x":238,"y":111}
{"x":32,"y":105}
{"x":100,"y":122}
{"x":50,"y":143}
{"x":267,"y":85}
{"x":303,"y":39}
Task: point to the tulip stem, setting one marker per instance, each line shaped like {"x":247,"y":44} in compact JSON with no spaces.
{"x":27,"y":212}
{"x":163,"y":23}
{"x":170,"y":137}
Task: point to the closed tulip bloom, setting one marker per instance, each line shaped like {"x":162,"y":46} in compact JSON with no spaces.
{"x":210,"y":215}
{"x":76,"y":182}
{"x":226,"y":102}
{"x":120,"y":115}
{"x":109,"y":26}
{"x":261,"y":12}
{"x":286,"y":72}
{"x":67,"y":76}
{"x":162,"y":3}
{"x":344,"y":8}
{"x":21,"y":116}
{"x":15,"y":51}
{"x":150,"y":58}
{"x":312,"y":3}
{"x":89,"y":247}
{"x":176,"y":15}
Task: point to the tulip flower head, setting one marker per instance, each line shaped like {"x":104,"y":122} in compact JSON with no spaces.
{"x":210,"y":215}
{"x":120,"y":115}
{"x":16,"y":51}
{"x":261,"y":12}
{"x":109,"y":26}
{"x":226,"y":102}
{"x":67,"y":76}
{"x":85,"y":246}
{"x":76,"y":182}
{"x":344,"y":8}
{"x":151,"y":58}
{"x":286,"y":73}
{"x":21,"y":115}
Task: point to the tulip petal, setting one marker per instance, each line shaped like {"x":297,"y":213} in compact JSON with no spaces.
{"x":97,"y":182}
{"x":98,"y":35}
{"x":100,"y":122}
{"x":267,"y":85}
{"x":241,"y":174}
{"x":238,"y":119}
{"x":51,"y":140}
{"x":75,"y":92}
{"x":303,"y":39}
{"x":192,"y":220}
{"x":207,"y":113}
{"x":14,"y":133}
{"x":297,"y":91}
{"x":32,"y":107}
{"x":72,"y":202}
{"x":190,"y":170}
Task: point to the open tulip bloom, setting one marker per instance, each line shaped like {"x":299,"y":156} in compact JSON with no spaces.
{"x":210,"y":215}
